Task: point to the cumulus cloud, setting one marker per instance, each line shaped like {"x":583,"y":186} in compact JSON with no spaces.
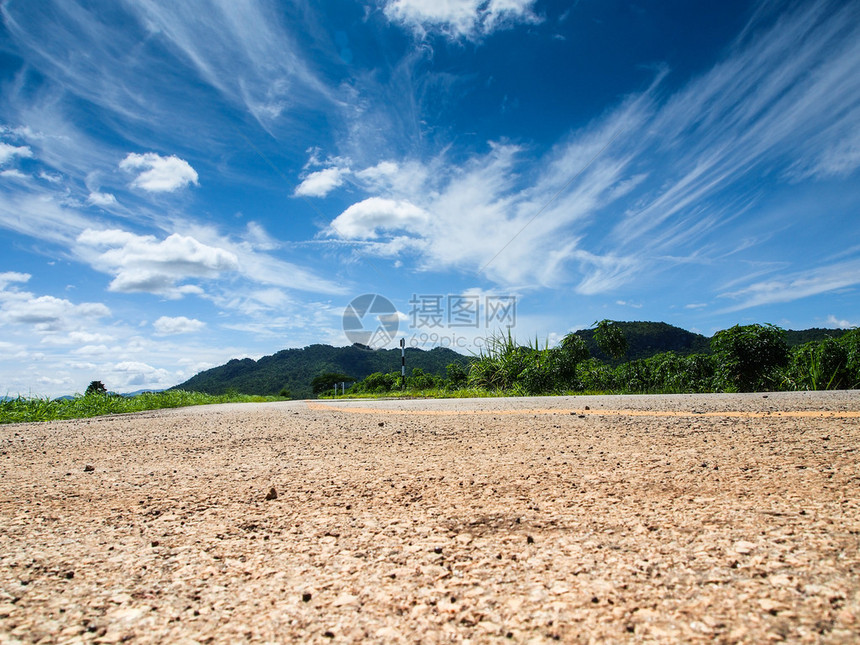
{"x":367,"y":218}
{"x":168,"y":326}
{"x":9,"y":152}
{"x":321,"y":182}
{"x":459,"y":18}
{"x":840,"y":323}
{"x":101,"y":199}
{"x":142,"y":263}
{"x":159,"y":174}
{"x":47,"y":313}
{"x":12,"y":276}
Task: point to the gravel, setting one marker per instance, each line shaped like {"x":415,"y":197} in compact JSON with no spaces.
{"x":727,"y":518}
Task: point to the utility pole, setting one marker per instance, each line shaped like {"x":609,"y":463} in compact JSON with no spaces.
{"x":402,"y":364}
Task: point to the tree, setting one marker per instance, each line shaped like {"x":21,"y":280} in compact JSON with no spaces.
{"x":95,"y":387}
{"x":457,"y":376}
{"x":749,"y":358}
{"x":327,"y":381}
{"x":610,"y":339}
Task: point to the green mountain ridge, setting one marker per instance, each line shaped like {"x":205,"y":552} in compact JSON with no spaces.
{"x":294,"y":369}
{"x":645,"y":339}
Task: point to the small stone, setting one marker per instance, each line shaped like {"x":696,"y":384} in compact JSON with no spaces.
{"x":743,"y":547}
{"x":381,"y":424}
{"x":272,"y":494}
{"x":530,"y":539}
{"x":89,"y":469}
{"x":69,"y":575}
{"x":306,"y":596}
{"x":345,"y":599}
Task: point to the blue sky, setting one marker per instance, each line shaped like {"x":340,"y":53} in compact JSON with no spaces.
{"x":184,"y":183}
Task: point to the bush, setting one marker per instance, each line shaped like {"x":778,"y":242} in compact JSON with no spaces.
{"x":420,"y":381}
{"x":819,"y":365}
{"x":457,"y":376}
{"x":749,"y":358}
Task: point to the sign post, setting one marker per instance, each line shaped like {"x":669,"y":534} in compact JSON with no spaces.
{"x":403,"y":364}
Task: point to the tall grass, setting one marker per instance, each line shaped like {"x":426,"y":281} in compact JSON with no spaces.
{"x":25,"y":410}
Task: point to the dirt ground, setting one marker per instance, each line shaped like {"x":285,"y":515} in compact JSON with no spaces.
{"x":589,"y":519}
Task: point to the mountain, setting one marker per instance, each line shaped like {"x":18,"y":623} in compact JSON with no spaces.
{"x":644,"y":339}
{"x":294,"y":369}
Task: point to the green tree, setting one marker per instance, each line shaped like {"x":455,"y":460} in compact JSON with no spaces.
{"x":457,"y":376}
{"x":95,"y":387}
{"x":325,"y":382}
{"x":749,"y":358}
{"x":610,"y":339}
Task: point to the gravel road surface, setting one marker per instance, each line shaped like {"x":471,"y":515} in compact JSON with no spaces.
{"x":718,"y":518}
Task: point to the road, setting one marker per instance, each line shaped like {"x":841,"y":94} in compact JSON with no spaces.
{"x":728,"y":518}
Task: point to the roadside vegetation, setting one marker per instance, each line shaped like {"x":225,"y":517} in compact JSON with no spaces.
{"x":748,"y":358}
{"x":98,"y":401}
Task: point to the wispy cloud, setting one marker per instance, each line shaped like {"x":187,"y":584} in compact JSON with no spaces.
{"x":657,"y":178}
{"x":9,"y":152}
{"x":796,"y":285}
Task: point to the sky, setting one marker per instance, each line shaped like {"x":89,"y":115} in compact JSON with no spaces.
{"x":186,"y":183}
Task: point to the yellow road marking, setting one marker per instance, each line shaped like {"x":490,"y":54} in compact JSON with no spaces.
{"x":812,"y":414}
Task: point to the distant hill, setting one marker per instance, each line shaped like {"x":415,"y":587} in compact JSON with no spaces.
{"x":294,"y":369}
{"x":645,"y":339}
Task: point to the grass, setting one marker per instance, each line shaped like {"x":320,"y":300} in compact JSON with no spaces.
{"x":26,"y":410}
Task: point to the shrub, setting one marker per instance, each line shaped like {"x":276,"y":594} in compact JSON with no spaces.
{"x":749,"y":358}
{"x":457,"y":376}
{"x":819,"y":365}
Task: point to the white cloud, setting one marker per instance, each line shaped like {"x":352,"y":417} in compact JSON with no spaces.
{"x":460,"y":18}
{"x":142,"y":263}
{"x":321,"y":182}
{"x":13,"y":173}
{"x":12,"y":276}
{"x":137,"y":374}
{"x":159,"y":174}
{"x":167,"y":326}
{"x":101,"y":199}
{"x":840,"y":323}
{"x":9,"y":152}
{"x":47,"y":313}
{"x":794,"y":286}
{"x":367,"y":218}
{"x":652,"y":182}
